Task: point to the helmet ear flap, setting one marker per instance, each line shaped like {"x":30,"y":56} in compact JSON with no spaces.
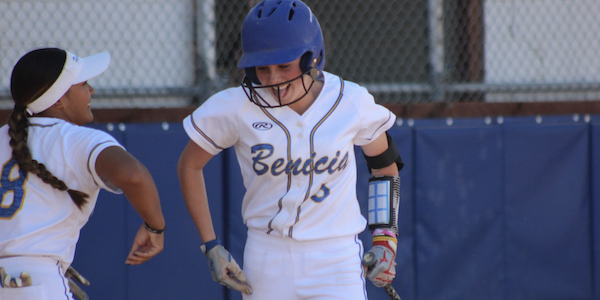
{"x":251,"y":74}
{"x":308,"y":62}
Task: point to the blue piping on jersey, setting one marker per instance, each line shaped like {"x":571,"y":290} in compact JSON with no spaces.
{"x":289,"y":155}
{"x":312,"y":152}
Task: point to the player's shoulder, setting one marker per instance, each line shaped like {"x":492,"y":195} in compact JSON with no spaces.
{"x":4,"y":128}
{"x":66,"y":131}
{"x":230,"y":101}
{"x":351,"y":88}
{"x":353,"y":92}
{"x":232,"y":95}
{"x":4,"y":136}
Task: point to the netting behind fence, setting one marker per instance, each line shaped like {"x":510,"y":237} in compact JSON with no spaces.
{"x":175,"y":53}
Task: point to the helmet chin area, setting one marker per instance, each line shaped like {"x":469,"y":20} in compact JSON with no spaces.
{"x":251,"y":91}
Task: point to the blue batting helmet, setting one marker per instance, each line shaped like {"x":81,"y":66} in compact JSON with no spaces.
{"x":280,"y":31}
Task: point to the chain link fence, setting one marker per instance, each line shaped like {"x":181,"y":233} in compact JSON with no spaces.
{"x":176,"y":53}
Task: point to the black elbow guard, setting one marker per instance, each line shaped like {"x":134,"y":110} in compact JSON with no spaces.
{"x":388,"y":157}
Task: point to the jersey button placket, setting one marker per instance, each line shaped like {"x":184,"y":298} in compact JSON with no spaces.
{"x":300,"y":126}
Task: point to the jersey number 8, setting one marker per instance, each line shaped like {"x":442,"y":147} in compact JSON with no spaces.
{"x":12,"y":184}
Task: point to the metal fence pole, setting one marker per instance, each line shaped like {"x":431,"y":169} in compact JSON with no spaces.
{"x":436,"y":51}
{"x":205,"y":56}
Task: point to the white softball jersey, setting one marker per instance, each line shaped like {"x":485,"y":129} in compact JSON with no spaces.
{"x":35,"y":218}
{"x":299,"y":171}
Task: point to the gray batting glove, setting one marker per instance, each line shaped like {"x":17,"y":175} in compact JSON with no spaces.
{"x":381,"y":261}
{"x":72,"y":273}
{"x":224,"y":269}
{"x":77,"y":291}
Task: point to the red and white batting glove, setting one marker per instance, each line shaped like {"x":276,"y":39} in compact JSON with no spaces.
{"x":223,"y":267}
{"x":383,"y":270}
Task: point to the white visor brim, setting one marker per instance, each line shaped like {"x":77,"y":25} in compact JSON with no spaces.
{"x":76,"y":70}
{"x":93,"y":66}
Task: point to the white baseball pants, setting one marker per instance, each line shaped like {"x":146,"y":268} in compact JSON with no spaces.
{"x":282,"y":268}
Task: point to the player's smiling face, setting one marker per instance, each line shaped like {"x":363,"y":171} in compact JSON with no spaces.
{"x":77,"y":103}
{"x":276,"y":74}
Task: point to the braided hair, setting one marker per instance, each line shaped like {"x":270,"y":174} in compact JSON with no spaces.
{"x":33,"y":75}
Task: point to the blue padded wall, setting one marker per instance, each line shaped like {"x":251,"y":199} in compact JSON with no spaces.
{"x":547,"y":211}
{"x":595,"y":205}
{"x":458,"y":212}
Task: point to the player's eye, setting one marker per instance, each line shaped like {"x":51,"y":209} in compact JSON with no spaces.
{"x":263,"y":70}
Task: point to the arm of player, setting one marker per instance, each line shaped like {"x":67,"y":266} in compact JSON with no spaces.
{"x":382,"y":270}
{"x":375,"y":148}
{"x":224,"y":269}
{"x":191,"y":179}
{"x":127,"y":173}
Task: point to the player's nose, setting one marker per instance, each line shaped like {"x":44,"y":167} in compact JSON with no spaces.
{"x":273,"y":78}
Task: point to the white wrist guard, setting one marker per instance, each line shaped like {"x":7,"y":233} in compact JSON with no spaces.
{"x":384,"y":201}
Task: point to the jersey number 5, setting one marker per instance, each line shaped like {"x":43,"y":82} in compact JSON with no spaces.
{"x":12,"y":184}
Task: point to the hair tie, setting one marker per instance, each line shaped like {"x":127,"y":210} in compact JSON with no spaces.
{"x":20,"y":107}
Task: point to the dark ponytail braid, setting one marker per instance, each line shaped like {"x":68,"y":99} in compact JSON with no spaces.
{"x":33,"y":75}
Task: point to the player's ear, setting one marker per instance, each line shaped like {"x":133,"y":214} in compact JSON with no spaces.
{"x":59,"y":104}
{"x":56,"y":110}
{"x":314,"y":73}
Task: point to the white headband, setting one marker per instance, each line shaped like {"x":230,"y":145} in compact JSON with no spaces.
{"x":76,"y":70}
